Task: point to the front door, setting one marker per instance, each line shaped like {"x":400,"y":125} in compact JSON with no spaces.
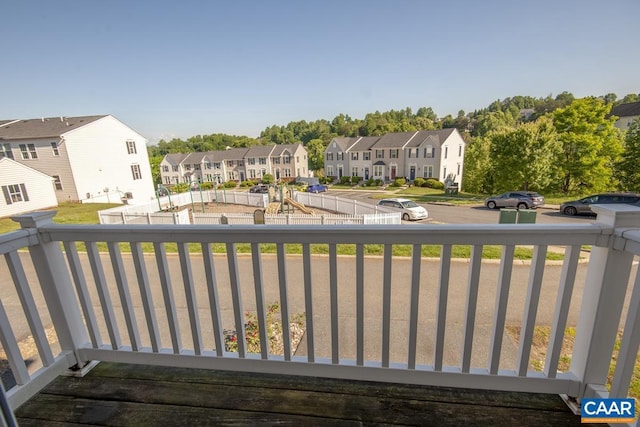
{"x":393,"y":172}
{"x":412,"y":173}
{"x":366,"y":174}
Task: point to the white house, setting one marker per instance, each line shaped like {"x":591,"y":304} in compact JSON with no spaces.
{"x":626,"y":114}
{"x":24,"y":189}
{"x":92,"y":159}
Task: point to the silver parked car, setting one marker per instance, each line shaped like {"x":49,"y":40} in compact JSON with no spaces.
{"x":409,"y":209}
{"x":515,"y":199}
{"x":583,"y":206}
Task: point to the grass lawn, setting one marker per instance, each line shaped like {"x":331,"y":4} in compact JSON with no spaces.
{"x":68,"y":213}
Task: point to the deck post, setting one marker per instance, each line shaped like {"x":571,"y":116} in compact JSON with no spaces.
{"x":604,"y":293}
{"x":56,"y":285}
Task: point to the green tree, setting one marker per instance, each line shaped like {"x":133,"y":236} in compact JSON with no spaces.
{"x":591,"y":145}
{"x":628,"y":168}
{"x":315,"y":151}
{"x":526,"y":157}
{"x":477,"y":174}
{"x":154,"y":162}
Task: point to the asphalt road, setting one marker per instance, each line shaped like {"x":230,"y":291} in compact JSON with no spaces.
{"x":465,"y":214}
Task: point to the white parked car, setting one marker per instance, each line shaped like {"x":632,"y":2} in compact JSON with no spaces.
{"x":410,"y":210}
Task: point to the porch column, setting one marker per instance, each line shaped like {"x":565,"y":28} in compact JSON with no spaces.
{"x":604,"y":292}
{"x":56,"y":285}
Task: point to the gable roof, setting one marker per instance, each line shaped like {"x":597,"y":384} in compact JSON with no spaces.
{"x":234,"y":154}
{"x":278,"y":149}
{"x":435,"y":136}
{"x":175,"y":158}
{"x":626,"y":110}
{"x":364,"y":143}
{"x":50,"y":127}
{"x":343,"y":142}
{"x":394,"y":140}
{"x":259,"y":150}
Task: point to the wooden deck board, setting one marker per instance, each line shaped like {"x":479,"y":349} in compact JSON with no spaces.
{"x":121,"y":394}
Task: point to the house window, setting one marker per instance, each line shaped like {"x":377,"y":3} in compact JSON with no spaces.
{"x":379,"y":154}
{"x":459,"y":150}
{"x":252,"y":173}
{"x":240,"y":162}
{"x":354,"y":156}
{"x":231,"y":176}
{"x":340,"y":156}
{"x":276,"y":160}
{"x":167,"y":180}
{"x":287,"y":160}
{"x":428,"y":151}
{"x":417,"y":153}
{"x":251,"y":160}
{"x":15,"y":193}
{"x":57,"y":183}
{"x":230,"y":163}
{"x":287,"y":173}
{"x":135,"y":171}
{"x":131,"y":147}
{"x":216,"y":165}
{"x":207,"y":165}
{"x":444,"y":173}
{"x":54,"y":148}
{"x":187,"y":167}
{"x":446,"y":151}
{"x":5,"y":151}
{"x":196,"y":167}
{"x":366,"y":156}
{"x":458,"y":168}
{"x":329,"y":170}
{"x":393,"y":154}
{"x":175,"y":168}
{"x":28,"y":151}
{"x":428,"y":172}
{"x":329,"y":156}
{"x":208,"y":177}
{"x":165,"y":168}
{"x":354,"y":171}
{"x":377,"y":170}
{"x":298,"y":159}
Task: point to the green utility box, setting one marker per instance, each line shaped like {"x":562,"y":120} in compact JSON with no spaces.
{"x":526,"y":216}
{"x":508,"y":216}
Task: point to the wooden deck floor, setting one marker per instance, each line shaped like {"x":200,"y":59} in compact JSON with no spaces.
{"x":122,"y":394}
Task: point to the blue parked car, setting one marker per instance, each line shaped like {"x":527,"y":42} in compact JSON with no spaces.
{"x":316,"y":188}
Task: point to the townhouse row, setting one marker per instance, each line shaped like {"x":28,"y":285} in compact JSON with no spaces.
{"x":437,"y":154}
{"x":284,"y":162}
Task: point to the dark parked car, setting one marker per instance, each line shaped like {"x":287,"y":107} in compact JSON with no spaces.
{"x":515,"y":199}
{"x":261,"y":188}
{"x":316,"y":188}
{"x":583,"y":206}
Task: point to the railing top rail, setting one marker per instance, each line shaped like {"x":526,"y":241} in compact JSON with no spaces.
{"x":486,"y":234}
{"x":18,"y":239}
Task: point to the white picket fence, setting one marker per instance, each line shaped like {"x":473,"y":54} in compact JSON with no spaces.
{"x":290,"y":219}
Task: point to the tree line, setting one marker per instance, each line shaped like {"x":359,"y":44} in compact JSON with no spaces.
{"x":553,"y":144}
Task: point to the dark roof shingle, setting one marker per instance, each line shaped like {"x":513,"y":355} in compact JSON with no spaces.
{"x":46,"y":127}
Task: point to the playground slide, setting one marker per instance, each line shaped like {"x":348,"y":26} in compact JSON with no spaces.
{"x":299,"y":206}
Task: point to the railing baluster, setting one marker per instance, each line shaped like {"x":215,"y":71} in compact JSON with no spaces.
{"x":125,"y":297}
{"x":386,"y":304}
{"x":563,"y":301}
{"x":443,"y":296}
{"x":284,"y":303}
{"x":190,"y":295}
{"x":416,"y":258}
{"x":259,"y":290}
{"x":11,"y":349}
{"x":103,"y":294}
{"x":360,"y":304}
{"x":471,"y":306}
{"x":167,"y":295}
{"x":628,"y":353}
{"x":308,"y":301}
{"x":531,"y":308}
{"x":83,"y":293}
{"x":500,"y":311}
{"x":145,"y":295}
{"x":236,"y":296}
{"x":29,"y":306}
{"x":214,"y":300}
{"x":333,"y":291}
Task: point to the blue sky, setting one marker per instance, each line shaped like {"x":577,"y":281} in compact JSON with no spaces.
{"x":183,"y":68}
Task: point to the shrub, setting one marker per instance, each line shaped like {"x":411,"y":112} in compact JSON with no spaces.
{"x":434,"y":183}
{"x":399,"y":182}
{"x":419,"y":182}
{"x":345,"y":180}
{"x":247,"y":183}
{"x":356,"y":179}
{"x":230,"y":184}
{"x":206,"y":185}
{"x":267,"y":178}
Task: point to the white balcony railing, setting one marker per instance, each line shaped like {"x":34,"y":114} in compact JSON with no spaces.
{"x":119,"y":293}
